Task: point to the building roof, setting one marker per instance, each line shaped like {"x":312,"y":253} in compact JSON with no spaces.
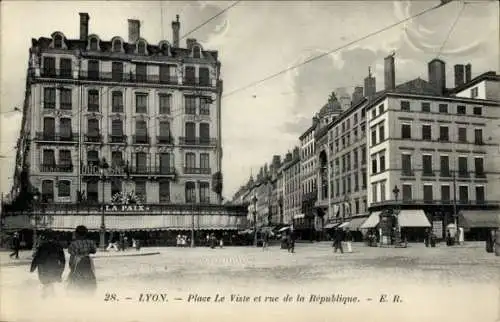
{"x":491,"y":76}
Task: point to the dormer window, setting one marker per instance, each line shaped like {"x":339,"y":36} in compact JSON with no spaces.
{"x":164,"y":49}
{"x":141,"y":48}
{"x":117,"y":45}
{"x":196,"y":52}
{"x":93,"y":44}
{"x":58,"y":41}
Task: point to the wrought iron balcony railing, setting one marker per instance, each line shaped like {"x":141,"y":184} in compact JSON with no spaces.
{"x":56,"y":137}
{"x":96,"y":138}
{"x":165,"y":139}
{"x":56,"y":168}
{"x":141,"y":139}
{"x":117,"y":138}
{"x":195,"y":81}
{"x":56,"y":73}
{"x":128,"y":77}
{"x":188,"y":170}
{"x":151,"y":170}
{"x":193,"y":141}
{"x":461,"y":202}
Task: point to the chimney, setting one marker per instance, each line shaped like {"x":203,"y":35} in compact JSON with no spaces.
{"x":357,"y":95}
{"x":468,"y":73}
{"x":176,"y":26}
{"x":84,"y":25}
{"x":437,"y":75}
{"x":389,"y":73}
{"x":459,"y":75}
{"x":370,"y":86}
{"x":190,"y":43}
{"x":134,"y":30}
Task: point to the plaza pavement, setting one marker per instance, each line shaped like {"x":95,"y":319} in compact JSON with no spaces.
{"x":433,"y":284}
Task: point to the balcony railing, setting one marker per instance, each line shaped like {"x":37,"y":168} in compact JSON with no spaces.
{"x":190,"y":110}
{"x":194,"y":81}
{"x":56,"y":168}
{"x":56,"y":137}
{"x":117,"y":109}
{"x":480,"y":174}
{"x":197,"y":141}
{"x":57,"y":73}
{"x":49,"y":105}
{"x":165,"y":139}
{"x":151,"y":170}
{"x":428,"y":173}
{"x":93,"y":138}
{"x":435,"y":202}
{"x":408,"y":173}
{"x":127,"y":77}
{"x":117,"y":138}
{"x":463,"y":174}
{"x":188,"y":170}
{"x":141,"y":139}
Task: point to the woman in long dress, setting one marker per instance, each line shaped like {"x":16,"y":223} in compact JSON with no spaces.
{"x":82,"y":275}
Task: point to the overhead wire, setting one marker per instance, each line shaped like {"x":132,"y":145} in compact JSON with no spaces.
{"x":451,"y":29}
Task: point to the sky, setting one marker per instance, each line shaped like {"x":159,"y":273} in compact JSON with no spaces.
{"x":256,"y":40}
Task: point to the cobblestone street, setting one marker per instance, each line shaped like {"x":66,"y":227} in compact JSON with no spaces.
{"x":434,"y":284}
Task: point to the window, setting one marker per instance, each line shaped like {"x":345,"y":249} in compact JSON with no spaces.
{"x":58,"y":41}
{"x":190,"y":192}
{"x":363,"y":155}
{"x":141,"y":132}
{"x":141,"y":72}
{"x":164,"y":100}
{"x":477,"y":110}
{"x":356,"y":206}
{"x":49,"y":158}
{"x":47,"y":191}
{"x":204,"y":133}
{"x":445,"y":193}
{"x":141,"y":161}
{"x":462,"y":134}
{"x":93,"y":43}
{"x":355,"y":159}
{"x":480,"y":194}
{"x":65,"y":65}
{"x":165,"y":163}
{"x":445,"y":165}
{"x":65,"y":99}
{"x":381,"y":133}
{"x":427,"y":165}
{"x":164,"y":74}
{"x":190,"y":160}
{"x":92,"y":158}
{"x":356,"y":182}
{"x":337,"y":187}
{"x":363,"y":130}
{"x":116,"y":186}
{"x":443,"y":108}
{"x":93,"y":100}
{"x":117,"y":131}
{"x":374,"y":166}
{"x":463,"y":192}
{"x":117,"y":102}
{"x":428,"y":197}
{"x":204,"y":76}
{"x":406,"y":131}
{"x":49,"y":98}
{"x":461,"y":109}
{"x":426,"y":107}
{"x":165,"y":136}
{"x":49,"y":66}
{"x":65,"y":129}
{"x":348,"y":161}
{"x":117,"y":45}
{"x":140,"y":190}
{"x":141,"y":103}
{"x":49,"y":128}
{"x":405,"y":106}
{"x":117,"y":71}
{"x":348,"y":183}
{"x":190,"y":75}
{"x":190,"y":131}
{"x":426,"y":132}
{"x":355,"y":119}
{"x":204,"y":192}
{"x":93,"y":128}
{"x":382,"y":162}
{"x":364,"y":179}
{"x":205,"y":161}
{"x":479,"y":167}
{"x":93,"y":69}
{"x":116,"y":159}
{"x":478,"y":136}
{"x":64,"y":188}
{"x":355,"y":134}
{"x":374,"y":192}
{"x":374,"y":137}
{"x":406,"y":164}
{"x":164,"y":191}
{"x":92,"y":191}
{"x":196,"y":52}
{"x":374,"y":113}
{"x":382,"y":191}
{"x":205,"y":105}
{"x":462,"y":167}
{"x":141,"y":47}
{"x":407,"y":193}
{"x":363,"y":113}
{"x":190,"y":105}
{"x":444,"y":133}
{"x":65,"y":163}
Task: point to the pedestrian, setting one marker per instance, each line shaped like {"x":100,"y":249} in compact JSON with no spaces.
{"x":496,"y":242}
{"x":265,"y":240}
{"x":338,"y":237}
{"x":291,"y":242}
{"x":221,"y":242}
{"x":82,"y":275}
{"x":15,"y":246}
{"x":348,"y":240}
{"x":212,"y":241}
{"x":50,"y":261}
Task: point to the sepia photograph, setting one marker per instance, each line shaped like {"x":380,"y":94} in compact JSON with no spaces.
{"x":250,"y":161}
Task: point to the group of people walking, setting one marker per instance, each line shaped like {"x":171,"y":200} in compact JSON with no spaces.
{"x":50,"y":261}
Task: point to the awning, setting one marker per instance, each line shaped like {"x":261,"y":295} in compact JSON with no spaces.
{"x":413,"y":218}
{"x":284,"y":228}
{"x":372,"y":221}
{"x":331,"y":225}
{"x":355,"y":223}
{"x":344,"y":224}
{"x":479,"y":219}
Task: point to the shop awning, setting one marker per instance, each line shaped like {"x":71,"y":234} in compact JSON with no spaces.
{"x":413,"y":218}
{"x":356,"y":223}
{"x":372,"y":221}
{"x":331,"y":225}
{"x":479,"y":218}
{"x":344,"y":224}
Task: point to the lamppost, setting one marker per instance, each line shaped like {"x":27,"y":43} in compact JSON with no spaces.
{"x":103,"y":167}
{"x":192,"y":225}
{"x":36,"y":200}
{"x":254,"y":201}
{"x":395,"y":191}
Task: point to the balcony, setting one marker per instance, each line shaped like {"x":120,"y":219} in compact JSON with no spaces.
{"x":117,"y":109}
{"x":49,"y":105}
{"x":197,"y":170}
{"x":194,"y":81}
{"x":140,"y":139}
{"x":463,"y":174}
{"x":480,"y":174}
{"x":128,"y":77}
{"x":463,"y":202}
{"x":93,"y":138}
{"x":56,"y":168}
{"x":445,"y":173}
{"x":56,"y":137}
{"x":117,"y":138}
{"x":151,"y":170}
{"x":428,"y":173}
{"x":165,"y":139}
{"x":407,"y":173}
{"x":190,"y":110}
{"x":57,"y":73}
{"x":197,"y":141}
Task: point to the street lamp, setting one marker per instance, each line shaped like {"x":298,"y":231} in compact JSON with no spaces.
{"x":254,"y":201}
{"x":36,"y":198}
{"x":395,"y":191}
{"x":103,"y":167}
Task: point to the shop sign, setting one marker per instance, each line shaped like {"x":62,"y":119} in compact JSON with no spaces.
{"x":95,"y":170}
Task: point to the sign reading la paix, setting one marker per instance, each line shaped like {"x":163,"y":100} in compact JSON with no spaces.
{"x":125,"y":208}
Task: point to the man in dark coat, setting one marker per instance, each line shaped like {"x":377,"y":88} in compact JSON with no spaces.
{"x":16,"y":244}
{"x":50,"y":261}
{"x":338,"y":237}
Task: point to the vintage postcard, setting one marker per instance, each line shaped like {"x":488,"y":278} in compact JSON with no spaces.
{"x":250,"y":161}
